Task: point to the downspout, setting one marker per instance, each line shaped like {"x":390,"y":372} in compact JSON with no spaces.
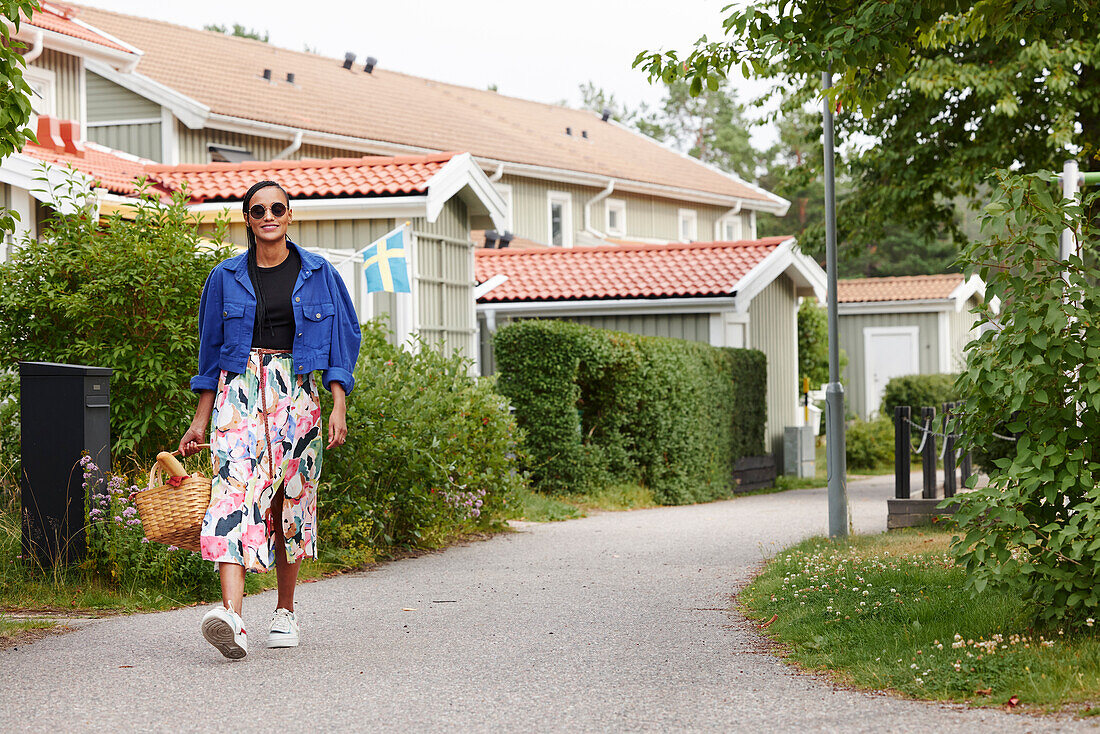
{"x":588,"y":209}
{"x":733,"y":212}
{"x":36,"y":48}
{"x":290,"y":149}
{"x":497,"y":174}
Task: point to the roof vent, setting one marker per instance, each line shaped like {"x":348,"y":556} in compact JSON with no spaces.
{"x":267,"y":74}
{"x":491,"y":238}
{"x":584,"y":134}
{"x":349,"y":59}
{"x":290,"y":77}
{"x":371,"y":63}
{"x":605,"y":113}
{"x":506,"y":239}
{"x":568,"y":131}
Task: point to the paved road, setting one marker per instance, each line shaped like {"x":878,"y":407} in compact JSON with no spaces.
{"x":616,"y":622}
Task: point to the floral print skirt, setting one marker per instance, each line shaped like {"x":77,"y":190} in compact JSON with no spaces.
{"x":265,"y":436}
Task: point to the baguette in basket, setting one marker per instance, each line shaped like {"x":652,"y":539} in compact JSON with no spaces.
{"x":171,"y":512}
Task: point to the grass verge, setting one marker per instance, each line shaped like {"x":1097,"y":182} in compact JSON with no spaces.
{"x":539,"y":507}
{"x":890,"y":612}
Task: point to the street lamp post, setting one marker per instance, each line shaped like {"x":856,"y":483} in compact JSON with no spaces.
{"x":834,"y":391}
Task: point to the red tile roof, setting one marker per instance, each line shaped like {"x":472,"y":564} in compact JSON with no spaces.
{"x":367,"y":176}
{"x":621,"y":271}
{"x":900,"y":288}
{"x":59,"y":19}
{"x":117,"y":172}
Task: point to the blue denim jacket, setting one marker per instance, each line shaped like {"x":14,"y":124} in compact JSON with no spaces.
{"x":326,"y":337}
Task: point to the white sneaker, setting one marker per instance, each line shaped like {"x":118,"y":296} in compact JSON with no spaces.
{"x":224,"y":629}
{"x":284,"y":629}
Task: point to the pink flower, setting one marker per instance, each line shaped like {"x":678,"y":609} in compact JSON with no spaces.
{"x":172,"y":548}
{"x":144,"y":540}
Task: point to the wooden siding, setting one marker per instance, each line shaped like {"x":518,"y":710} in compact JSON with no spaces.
{"x":647,"y":217}
{"x":194,"y":146}
{"x":962,"y":332}
{"x":109,"y":101}
{"x":851,"y":341}
{"x":773,"y":329}
{"x":69,"y":75}
{"x":140,"y":140}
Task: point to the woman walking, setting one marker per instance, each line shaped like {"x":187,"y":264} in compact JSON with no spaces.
{"x":268,"y":319}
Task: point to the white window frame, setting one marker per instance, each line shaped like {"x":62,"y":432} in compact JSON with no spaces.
{"x":619,"y":207}
{"x":566,"y":200}
{"x":738,"y":228}
{"x":872,"y":331}
{"x":46,"y":77}
{"x":692,"y":218}
{"x":505,"y":191}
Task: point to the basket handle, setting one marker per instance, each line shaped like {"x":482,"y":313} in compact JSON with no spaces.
{"x":156,"y":470}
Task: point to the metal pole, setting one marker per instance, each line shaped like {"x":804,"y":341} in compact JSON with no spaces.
{"x":928,"y":456}
{"x":901,"y":452}
{"x":948,"y":451}
{"x":1071,"y":180}
{"x":839,"y":518}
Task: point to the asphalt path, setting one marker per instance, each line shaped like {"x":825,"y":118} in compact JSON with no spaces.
{"x":614,"y":622}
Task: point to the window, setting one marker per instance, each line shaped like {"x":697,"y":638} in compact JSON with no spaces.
{"x":616,"y":217}
{"x":730,"y":229}
{"x":560,"y":208}
{"x":505,"y":191}
{"x":688,"y":225}
{"x":41,"y":81}
{"x":229,"y":154}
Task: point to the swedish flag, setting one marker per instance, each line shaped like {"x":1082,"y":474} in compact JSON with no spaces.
{"x":384,"y":264}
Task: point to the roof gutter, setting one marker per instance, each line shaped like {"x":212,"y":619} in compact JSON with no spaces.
{"x":36,"y":48}
{"x":588,"y":209}
{"x":290,"y":149}
{"x":497,"y":174}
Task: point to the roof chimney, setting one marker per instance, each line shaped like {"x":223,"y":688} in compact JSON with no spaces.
{"x":371,"y":63}
{"x":349,"y":59}
{"x":267,"y":74}
{"x":604,"y":114}
{"x":70,"y":137}
{"x":290,"y":77}
{"x":49,"y":132}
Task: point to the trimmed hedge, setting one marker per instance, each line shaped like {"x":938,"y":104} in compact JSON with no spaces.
{"x":919,"y":391}
{"x":600,"y":406}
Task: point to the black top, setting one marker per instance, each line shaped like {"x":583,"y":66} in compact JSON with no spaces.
{"x":277,"y":285}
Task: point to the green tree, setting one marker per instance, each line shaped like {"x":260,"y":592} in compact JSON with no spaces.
{"x":15,"y":110}
{"x":240,"y":31}
{"x":121,"y":293}
{"x":813,"y":342}
{"x":945,"y":91}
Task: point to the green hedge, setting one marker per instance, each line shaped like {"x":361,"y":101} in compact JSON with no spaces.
{"x":919,"y":391}
{"x":600,"y":406}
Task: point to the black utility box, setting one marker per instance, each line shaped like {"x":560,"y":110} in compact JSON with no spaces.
{"x":65,"y":411}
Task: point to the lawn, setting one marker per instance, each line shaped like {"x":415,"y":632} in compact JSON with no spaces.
{"x":890,"y":612}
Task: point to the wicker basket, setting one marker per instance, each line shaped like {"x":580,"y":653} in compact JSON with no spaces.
{"x":173,"y":515}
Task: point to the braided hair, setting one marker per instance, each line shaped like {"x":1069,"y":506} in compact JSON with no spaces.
{"x":253,"y":267}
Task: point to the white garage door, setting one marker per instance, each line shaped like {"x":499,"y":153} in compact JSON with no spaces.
{"x":889,"y":352}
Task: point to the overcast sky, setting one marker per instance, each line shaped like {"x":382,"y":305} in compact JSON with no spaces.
{"x":535,"y":50}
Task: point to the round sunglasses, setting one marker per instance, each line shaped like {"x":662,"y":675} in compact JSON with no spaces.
{"x":259,"y":211}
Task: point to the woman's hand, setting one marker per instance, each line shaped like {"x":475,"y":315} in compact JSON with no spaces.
{"x":189,"y":444}
{"x":196,"y":432}
{"x":337,"y":419}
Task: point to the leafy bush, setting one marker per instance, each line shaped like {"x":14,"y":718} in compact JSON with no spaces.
{"x":9,"y":439}
{"x":601,"y":407}
{"x":813,"y":343}
{"x":919,"y":391}
{"x":1036,"y":528}
{"x":869,"y":444}
{"x":430,"y":452}
{"x":121,"y":293}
